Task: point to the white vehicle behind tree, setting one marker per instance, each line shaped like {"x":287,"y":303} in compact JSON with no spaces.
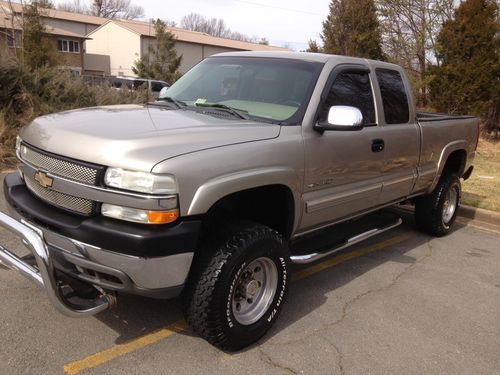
{"x":133,"y":83}
{"x":210,"y":192}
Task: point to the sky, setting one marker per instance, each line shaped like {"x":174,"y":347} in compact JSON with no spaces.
{"x":291,"y":22}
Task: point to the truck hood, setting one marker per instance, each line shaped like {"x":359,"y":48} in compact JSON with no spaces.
{"x":138,"y":137}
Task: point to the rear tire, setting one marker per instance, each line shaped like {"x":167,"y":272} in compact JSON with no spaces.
{"x":435,"y":213}
{"x":239,"y":292}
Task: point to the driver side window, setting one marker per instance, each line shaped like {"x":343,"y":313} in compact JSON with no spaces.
{"x":351,"y":88}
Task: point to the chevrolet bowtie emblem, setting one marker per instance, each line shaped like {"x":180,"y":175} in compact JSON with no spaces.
{"x":44,"y":180}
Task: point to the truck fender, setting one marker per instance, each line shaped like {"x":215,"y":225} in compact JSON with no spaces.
{"x":461,"y":144}
{"x":217,"y":188}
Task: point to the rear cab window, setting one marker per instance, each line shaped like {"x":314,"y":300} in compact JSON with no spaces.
{"x":394,"y":98}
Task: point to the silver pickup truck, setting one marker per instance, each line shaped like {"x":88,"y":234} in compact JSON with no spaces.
{"x":209,"y":192}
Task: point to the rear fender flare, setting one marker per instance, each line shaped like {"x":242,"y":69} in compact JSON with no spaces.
{"x":451,"y":147}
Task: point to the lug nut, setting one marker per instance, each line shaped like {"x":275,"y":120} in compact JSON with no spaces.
{"x":249,"y":300}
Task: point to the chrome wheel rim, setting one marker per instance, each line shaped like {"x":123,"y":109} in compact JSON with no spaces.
{"x":255,"y":290}
{"x":450,"y":205}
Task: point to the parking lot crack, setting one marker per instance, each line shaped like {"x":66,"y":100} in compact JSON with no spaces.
{"x":266,"y":358}
{"x":348,"y":304}
{"x":340,"y":356}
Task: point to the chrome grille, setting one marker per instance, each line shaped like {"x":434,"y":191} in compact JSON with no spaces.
{"x":65,"y":201}
{"x":59,"y":167}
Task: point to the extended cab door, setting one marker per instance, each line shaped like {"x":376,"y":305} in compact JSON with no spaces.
{"x":401,"y":133}
{"x":343,"y":169}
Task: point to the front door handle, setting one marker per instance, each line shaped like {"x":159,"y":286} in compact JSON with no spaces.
{"x":378,"y":145}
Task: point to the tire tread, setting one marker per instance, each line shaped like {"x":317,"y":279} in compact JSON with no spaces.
{"x":428,"y":215}
{"x":201,"y":313}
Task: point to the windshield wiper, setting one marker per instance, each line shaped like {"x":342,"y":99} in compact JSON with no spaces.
{"x":233,"y":111}
{"x":179,"y":104}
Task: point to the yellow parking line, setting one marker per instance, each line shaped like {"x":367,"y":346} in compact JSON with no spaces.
{"x":119,"y":350}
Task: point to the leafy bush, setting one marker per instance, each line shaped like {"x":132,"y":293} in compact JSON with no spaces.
{"x":26,"y":94}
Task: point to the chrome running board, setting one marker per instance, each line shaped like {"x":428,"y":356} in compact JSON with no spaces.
{"x":309,"y":258}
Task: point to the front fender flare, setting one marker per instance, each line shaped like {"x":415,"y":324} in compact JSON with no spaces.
{"x":217,"y":188}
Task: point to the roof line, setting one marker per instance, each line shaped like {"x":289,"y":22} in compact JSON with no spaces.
{"x":116,"y":23}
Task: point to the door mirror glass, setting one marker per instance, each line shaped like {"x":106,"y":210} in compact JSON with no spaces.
{"x":342,"y":115}
{"x":163,"y":92}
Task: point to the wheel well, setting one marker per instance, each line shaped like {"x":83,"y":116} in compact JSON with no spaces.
{"x":455,"y":164}
{"x":270,"y":205}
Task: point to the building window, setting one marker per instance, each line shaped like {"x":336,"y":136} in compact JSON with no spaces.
{"x":71,"y":46}
{"x":14,"y":38}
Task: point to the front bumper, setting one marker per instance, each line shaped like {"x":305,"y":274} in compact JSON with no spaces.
{"x":45,"y":275}
{"x":58,"y":257}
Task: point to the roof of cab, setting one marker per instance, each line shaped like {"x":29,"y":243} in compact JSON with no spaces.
{"x":306,"y":56}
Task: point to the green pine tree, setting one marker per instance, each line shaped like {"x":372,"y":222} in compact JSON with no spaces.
{"x":352,"y":29}
{"x":312,"y":46}
{"x":161,"y":62}
{"x":38,"y":49}
{"x":468,"y":79}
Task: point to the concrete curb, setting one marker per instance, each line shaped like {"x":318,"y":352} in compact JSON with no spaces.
{"x":467,"y":212}
{"x":479,"y":214}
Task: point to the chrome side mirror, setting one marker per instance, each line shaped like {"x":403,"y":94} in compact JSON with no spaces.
{"x":163,"y":92}
{"x":341,"y":117}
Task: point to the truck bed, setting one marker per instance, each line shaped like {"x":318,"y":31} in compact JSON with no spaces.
{"x":441,"y":134}
{"x":437,"y":116}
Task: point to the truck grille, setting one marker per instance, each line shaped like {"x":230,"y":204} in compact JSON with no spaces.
{"x":68,"y":202}
{"x":63,"y":167}
{"x":59,"y":167}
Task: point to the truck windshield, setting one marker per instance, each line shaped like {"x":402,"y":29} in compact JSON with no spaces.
{"x":276,"y":90}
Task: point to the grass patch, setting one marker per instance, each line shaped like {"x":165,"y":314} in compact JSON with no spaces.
{"x":483,"y":187}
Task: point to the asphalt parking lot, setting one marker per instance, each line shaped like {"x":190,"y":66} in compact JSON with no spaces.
{"x":398,"y":303}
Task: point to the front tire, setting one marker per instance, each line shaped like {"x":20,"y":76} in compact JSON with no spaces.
{"x":435,"y":213}
{"x":240,"y":292}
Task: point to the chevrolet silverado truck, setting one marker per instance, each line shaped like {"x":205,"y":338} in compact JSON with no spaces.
{"x":209,"y":192}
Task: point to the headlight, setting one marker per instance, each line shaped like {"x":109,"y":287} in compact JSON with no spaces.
{"x":139,"y":216}
{"x":140,"y":181}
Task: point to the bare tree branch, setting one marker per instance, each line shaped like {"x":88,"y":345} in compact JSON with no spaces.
{"x":213,"y":26}
{"x":123,"y":9}
{"x":75,"y":6}
{"x":116,"y":9}
{"x":410,"y":30}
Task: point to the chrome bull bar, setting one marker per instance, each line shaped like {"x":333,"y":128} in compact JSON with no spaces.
{"x":44,"y":274}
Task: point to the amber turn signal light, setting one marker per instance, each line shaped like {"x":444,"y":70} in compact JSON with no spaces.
{"x":163,"y":217}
